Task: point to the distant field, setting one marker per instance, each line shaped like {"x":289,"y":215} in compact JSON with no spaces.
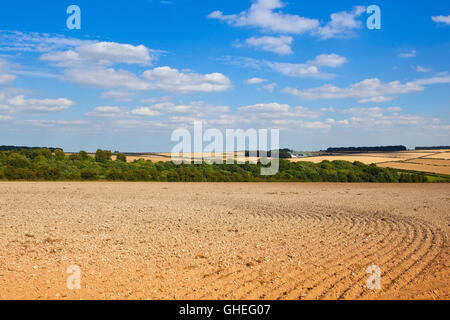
{"x":443,"y":155}
{"x":417,"y":167}
{"x":431,"y":161}
{"x":362,"y":158}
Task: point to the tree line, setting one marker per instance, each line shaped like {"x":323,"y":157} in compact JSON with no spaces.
{"x":433,"y":148}
{"x":367,"y":149}
{"x":45,"y":165}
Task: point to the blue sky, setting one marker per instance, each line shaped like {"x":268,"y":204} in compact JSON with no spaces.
{"x":138,"y":70}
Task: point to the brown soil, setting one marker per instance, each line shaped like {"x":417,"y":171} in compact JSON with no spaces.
{"x":224,"y":241}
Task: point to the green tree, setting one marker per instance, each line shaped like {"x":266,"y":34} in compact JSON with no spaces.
{"x":88,"y":174}
{"x":102,"y":155}
{"x":17,"y":160}
{"x":75,"y":157}
{"x":83,"y":155}
{"x":59,"y":155}
{"x":121,"y":157}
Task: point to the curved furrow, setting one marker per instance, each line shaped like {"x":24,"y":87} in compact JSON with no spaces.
{"x":358,"y":277}
{"x":410,"y":267}
{"x":254,"y":283}
{"x":329,"y":278}
{"x":280,"y":291}
{"x":389,"y":261}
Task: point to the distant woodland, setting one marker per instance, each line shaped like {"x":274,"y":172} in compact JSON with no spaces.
{"x":434,"y":148}
{"x":367,"y":149}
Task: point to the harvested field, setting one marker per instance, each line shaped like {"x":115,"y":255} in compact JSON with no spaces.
{"x":444,"y":155}
{"x":417,"y":167}
{"x":432,"y":162}
{"x":224,"y":241}
{"x":361,"y":158}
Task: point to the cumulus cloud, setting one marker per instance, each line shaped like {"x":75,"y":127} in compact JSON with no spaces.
{"x":106,"y":78}
{"x":379,"y":119}
{"x":157,"y":99}
{"x":276,"y":110}
{"x":103,"y":53}
{"x":197,"y":108}
{"x":433,"y":80}
{"x":270,"y":87}
{"x":145,"y":111}
{"x":441,"y":19}
{"x":369,"y":90}
{"x":92,"y":64}
{"x":280,"y":45}
{"x":262,"y":15}
{"x":378,"y":99}
{"x":118,"y":95}
{"x":342,"y":24}
{"x":309,"y":69}
{"x":21,"y":104}
{"x":107,"y":112}
{"x":255,"y":81}
{"x":172,"y":80}
{"x":328,"y":60}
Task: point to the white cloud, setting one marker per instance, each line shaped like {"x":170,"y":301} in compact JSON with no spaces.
{"x":381,"y":119}
{"x":107,"y":112}
{"x":299,"y":70}
{"x":118,"y":95}
{"x":441,"y":19}
{"x":328,"y":60}
{"x":369,"y":90}
{"x":157,"y":99}
{"x":378,"y":99}
{"x":5,"y":76}
{"x":277,"y":111}
{"x":36,"y":42}
{"x":199,"y":109}
{"x":262,"y":14}
{"x":433,"y":80}
{"x":172,"y":80}
{"x":422,"y":69}
{"x":145,"y":111}
{"x":104,"y":54}
{"x":53,"y":123}
{"x":280,"y":45}
{"x":106,"y":78}
{"x":20,"y":104}
{"x":342,"y":24}
{"x":309,"y":69}
{"x":406,"y":55}
{"x":255,"y":81}
{"x":270,"y":87}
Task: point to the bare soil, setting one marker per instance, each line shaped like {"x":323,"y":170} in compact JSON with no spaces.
{"x":224,"y":241}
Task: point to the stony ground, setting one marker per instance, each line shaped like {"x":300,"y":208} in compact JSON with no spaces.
{"x":223,"y":241}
